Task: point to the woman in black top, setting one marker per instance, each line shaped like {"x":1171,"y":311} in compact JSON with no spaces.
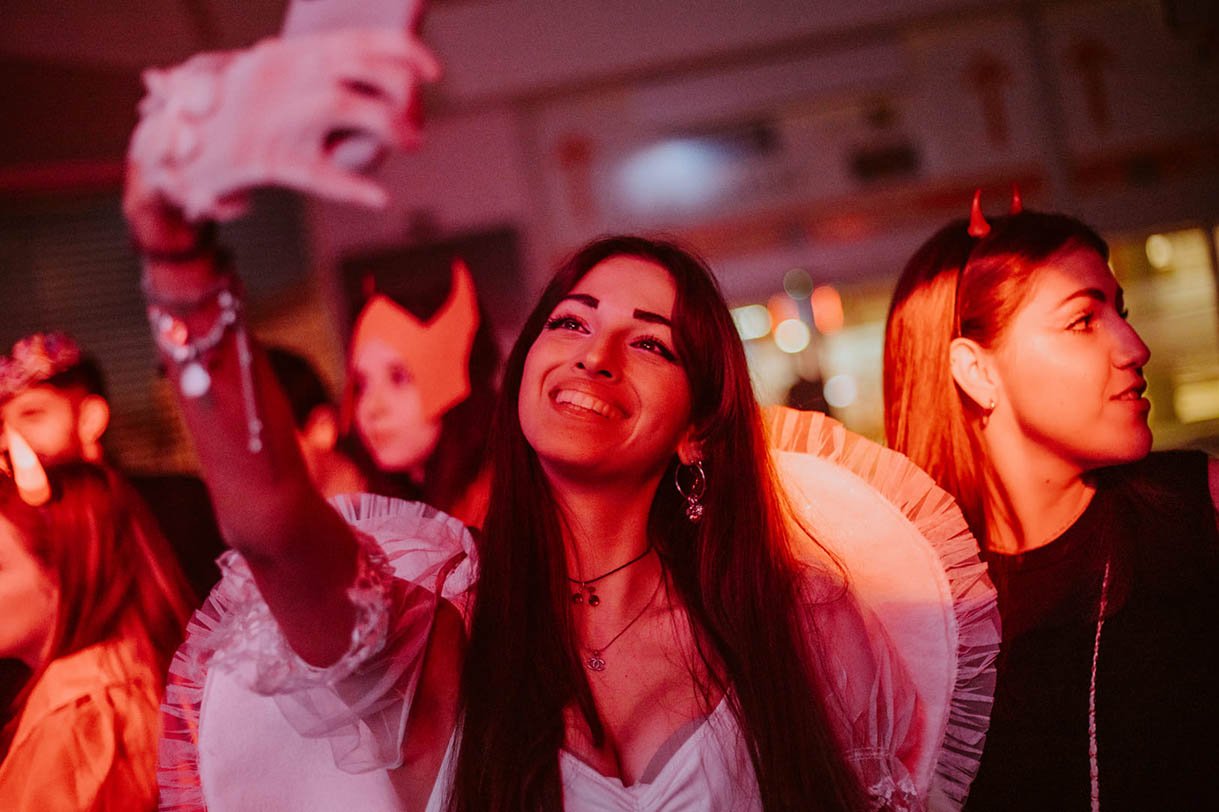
{"x":1013,"y":377}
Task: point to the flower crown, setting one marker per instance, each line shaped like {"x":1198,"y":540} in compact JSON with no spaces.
{"x":37,"y":358}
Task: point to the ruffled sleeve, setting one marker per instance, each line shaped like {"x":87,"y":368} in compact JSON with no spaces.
{"x":871,"y":701}
{"x":360,"y":703}
{"x":919,"y":596}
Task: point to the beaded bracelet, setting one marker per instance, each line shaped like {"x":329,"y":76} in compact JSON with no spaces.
{"x":192,"y":354}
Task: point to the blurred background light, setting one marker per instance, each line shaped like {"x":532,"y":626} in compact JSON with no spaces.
{"x":680,"y":173}
{"x":782,"y":308}
{"x":841,"y":391}
{"x":752,"y":321}
{"x":792,"y":335}
{"x":798,"y":283}
{"x":1159,"y":251}
{"x":827,"y":309}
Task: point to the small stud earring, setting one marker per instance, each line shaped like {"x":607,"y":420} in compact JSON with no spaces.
{"x":990,"y":407}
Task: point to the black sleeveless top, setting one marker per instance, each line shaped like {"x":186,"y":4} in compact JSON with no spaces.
{"x":1157,"y":684}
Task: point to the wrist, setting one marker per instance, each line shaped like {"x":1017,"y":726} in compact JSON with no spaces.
{"x":187,"y":284}
{"x":177,"y":243}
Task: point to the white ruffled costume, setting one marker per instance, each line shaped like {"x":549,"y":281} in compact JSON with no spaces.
{"x":248,"y":725}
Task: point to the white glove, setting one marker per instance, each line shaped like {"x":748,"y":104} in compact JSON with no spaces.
{"x":221,"y":124}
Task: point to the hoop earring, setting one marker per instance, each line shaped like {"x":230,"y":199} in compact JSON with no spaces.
{"x":693,"y":495}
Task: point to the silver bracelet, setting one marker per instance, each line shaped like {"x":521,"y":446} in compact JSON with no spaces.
{"x":192,"y":354}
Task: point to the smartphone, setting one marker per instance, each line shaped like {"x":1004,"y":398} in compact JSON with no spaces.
{"x":354,"y":149}
{"x":311,"y":16}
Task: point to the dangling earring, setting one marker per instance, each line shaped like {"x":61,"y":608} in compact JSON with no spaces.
{"x":693,"y":495}
{"x":990,"y":407}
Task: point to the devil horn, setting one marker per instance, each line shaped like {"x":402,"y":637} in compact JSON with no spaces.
{"x":978,"y":227}
{"x":28,"y":473}
{"x":1017,"y":203}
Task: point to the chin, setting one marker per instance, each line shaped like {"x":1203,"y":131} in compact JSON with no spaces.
{"x":397,"y":464}
{"x":1143,"y":443}
{"x":1137,"y":446}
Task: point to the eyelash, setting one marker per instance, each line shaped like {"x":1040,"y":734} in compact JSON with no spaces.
{"x":565,"y":322}
{"x":658,"y":347}
{"x":648,"y":343}
{"x":1086,"y":319}
{"x":1083,"y":322}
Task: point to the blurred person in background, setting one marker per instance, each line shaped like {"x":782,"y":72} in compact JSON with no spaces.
{"x":317,"y":422}
{"x":421,"y":389}
{"x":93,"y":604}
{"x":54,"y":394}
{"x":1013,"y":377}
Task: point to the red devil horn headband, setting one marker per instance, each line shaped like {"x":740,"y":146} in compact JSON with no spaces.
{"x":978,"y":227}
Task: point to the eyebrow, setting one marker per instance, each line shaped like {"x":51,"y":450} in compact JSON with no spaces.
{"x":641,"y":315}
{"x":1096,"y":294}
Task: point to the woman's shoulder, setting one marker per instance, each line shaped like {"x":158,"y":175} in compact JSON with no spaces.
{"x":88,"y":736}
{"x":918,"y":612}
{"x":1178,"y":482}
{"x":96,"y":686}
{"x":1175,"y":466}
{"x":110,"y":666}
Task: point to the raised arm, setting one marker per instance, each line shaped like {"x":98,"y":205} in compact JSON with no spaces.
{"x":211,"y":130}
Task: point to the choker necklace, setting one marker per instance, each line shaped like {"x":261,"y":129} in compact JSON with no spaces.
{"x":595,"y":661}
{"x":587,"y":585}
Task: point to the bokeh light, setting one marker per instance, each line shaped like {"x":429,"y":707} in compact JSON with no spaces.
{"x":792,"y":335}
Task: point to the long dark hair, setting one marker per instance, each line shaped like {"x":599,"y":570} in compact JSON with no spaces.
{"x":956,"y":285}
{"x":115,"y":573}
{"x":734,"y":572}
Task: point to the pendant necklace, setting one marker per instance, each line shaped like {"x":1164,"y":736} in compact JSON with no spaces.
{"x":588,"y":585}
{"x":595,"y":661}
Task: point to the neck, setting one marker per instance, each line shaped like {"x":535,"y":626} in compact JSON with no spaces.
{"x":605,"y":525}
{"x":1031,"y":496}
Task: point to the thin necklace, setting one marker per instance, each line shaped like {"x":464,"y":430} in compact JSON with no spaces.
{"x":595,"y":661}
{"x":1093,"y":763}
{"x":587,"y":585}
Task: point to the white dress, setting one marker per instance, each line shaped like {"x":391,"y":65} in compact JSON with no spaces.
{"x":248,"y":725}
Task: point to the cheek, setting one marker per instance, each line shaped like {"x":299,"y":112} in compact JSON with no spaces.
{"x":29,"y":606}
{"x":531,"y":381}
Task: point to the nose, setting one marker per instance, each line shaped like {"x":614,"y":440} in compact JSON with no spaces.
{"x":600,"y":358}
{"x":371,"y":402}
{"x":1131,"y":351}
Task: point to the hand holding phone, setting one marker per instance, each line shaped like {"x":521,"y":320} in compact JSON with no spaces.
{"x":358,"y":150}
{"x":221,"y":124}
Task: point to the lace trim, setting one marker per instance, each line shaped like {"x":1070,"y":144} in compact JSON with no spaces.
{"x":885,"y":794}
{"x":249,"y":642}
{"x":934,"y":513}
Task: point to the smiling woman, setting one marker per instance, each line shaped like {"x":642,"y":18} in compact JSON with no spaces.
{"x":602,"y":393}
{"x":1013,"y":377}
